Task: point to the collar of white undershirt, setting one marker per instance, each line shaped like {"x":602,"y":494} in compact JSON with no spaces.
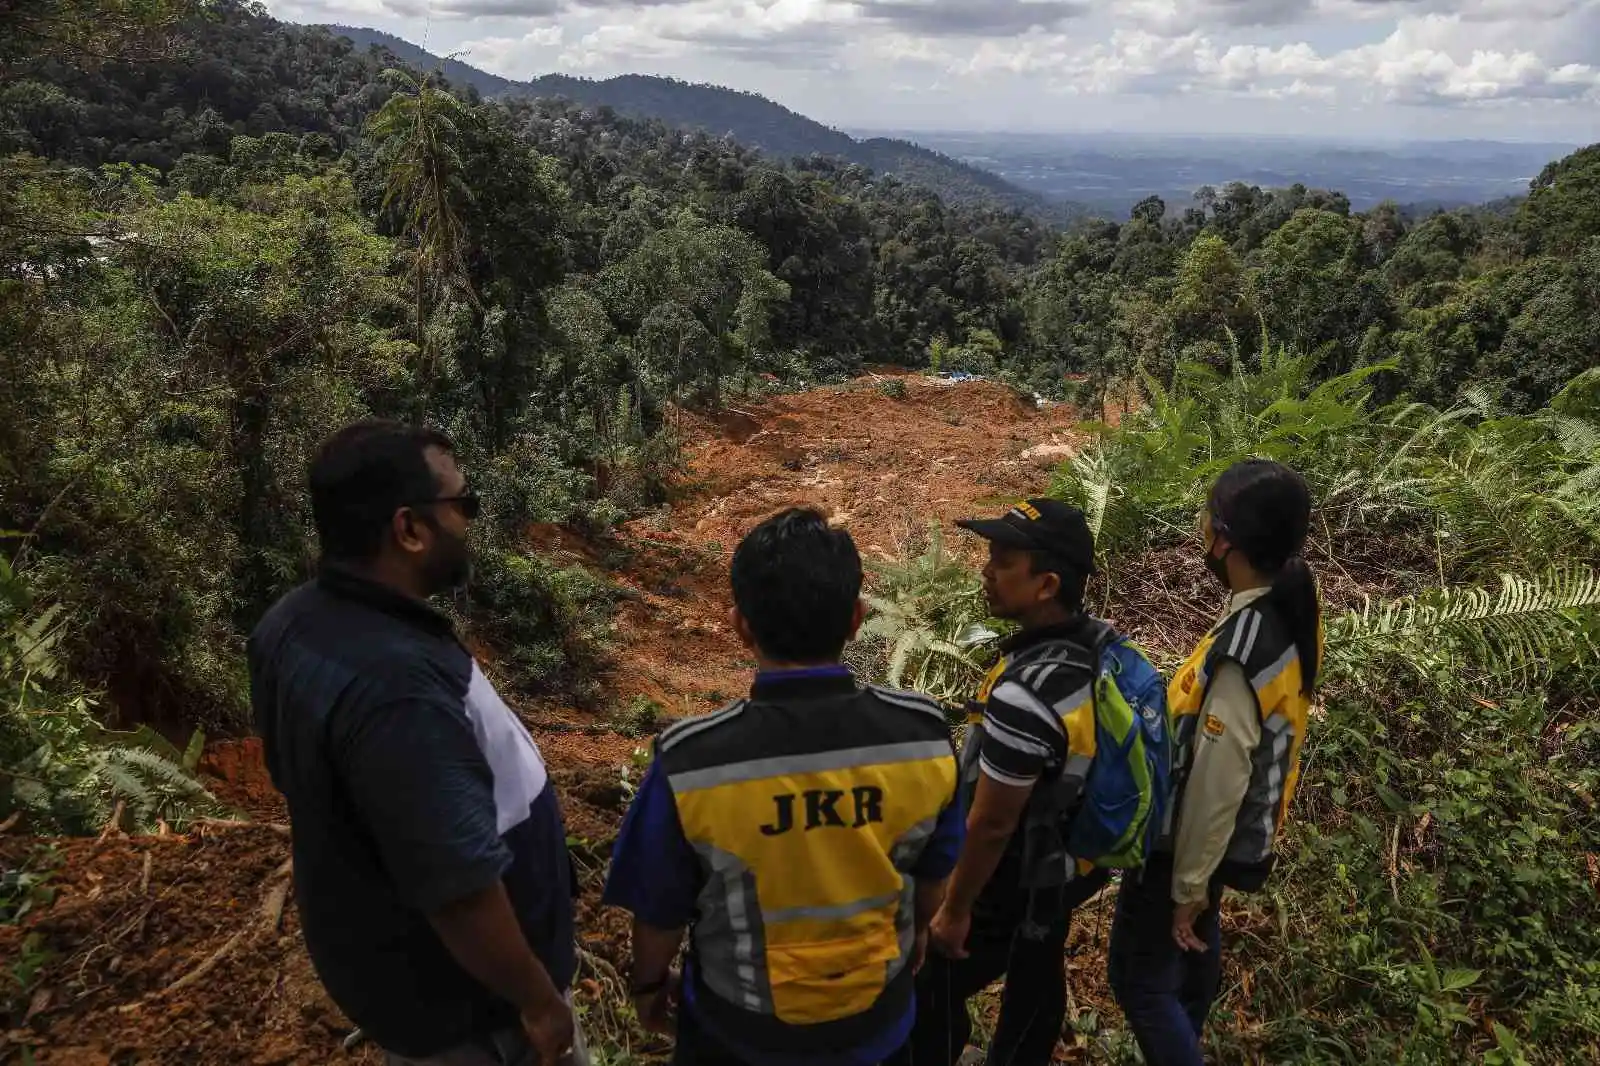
{"x":1240,"y":600}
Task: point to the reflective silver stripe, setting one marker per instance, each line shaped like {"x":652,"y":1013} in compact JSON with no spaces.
{"x":1270,"y":673}
{"x":833,"y":912}
{"x":1241,"y":624}
{"x":909,"y":700}
{"x":1257,"y":823}
{"x":729,"y":934}
{"x":1067,"y":704}
{"x":1077,"y":766}
{"x":744,"y":943}
{"x":1277,"y":770}
{"x":1250,"y":639}
{"x":757,"y":769}
{"x":681,"y":731}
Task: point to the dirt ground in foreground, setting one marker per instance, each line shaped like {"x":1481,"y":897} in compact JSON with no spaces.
{"x":186,"y":949}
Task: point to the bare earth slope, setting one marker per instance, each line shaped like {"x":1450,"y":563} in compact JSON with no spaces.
{"x":187,"y":949}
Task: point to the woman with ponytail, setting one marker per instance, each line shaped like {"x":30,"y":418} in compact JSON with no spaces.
{"x":1240,"y":706}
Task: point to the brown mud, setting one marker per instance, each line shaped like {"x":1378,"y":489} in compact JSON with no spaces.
{"x":186,"y":948}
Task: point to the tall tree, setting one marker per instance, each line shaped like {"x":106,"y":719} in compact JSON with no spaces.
{"x":417,"y":133}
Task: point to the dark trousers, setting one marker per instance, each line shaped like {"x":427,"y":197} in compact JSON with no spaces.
{"x":1032,"y":1007}
{"x":696,"y":1047}
{"x":1164,"y":991}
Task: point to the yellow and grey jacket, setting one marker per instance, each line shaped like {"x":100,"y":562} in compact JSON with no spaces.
{"x":1239,"y":708}
{"x":810,"y":806}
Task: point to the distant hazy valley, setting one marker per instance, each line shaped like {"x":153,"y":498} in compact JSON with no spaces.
{"x":1109,"y":173}
{"x":1055,"y":177}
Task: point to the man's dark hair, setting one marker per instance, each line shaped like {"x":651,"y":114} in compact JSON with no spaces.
{"x":796,"y":581}
{"x":362,"y":475}
{"x":1073,"y":580}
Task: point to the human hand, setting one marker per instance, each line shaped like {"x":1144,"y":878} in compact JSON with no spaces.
{"x":948,"y":933}
{"x":658,"y":1010}
{"x":550,"y":1030}
{"x":1183,"y":926}
{"x":919,"y":953}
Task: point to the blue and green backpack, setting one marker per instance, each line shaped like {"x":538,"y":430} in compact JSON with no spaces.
{"x":1128,"y":788}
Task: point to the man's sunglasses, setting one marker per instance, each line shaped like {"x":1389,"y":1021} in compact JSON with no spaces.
{"x":469,"y":502}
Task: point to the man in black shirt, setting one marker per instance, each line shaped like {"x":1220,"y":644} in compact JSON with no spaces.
{"x":431,"y":868}
{"x":1010,"y":900}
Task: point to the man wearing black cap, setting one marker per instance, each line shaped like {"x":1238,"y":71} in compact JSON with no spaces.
{"x":1009,"y":902}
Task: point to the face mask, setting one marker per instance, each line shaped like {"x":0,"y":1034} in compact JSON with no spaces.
{"x":1218,"y":565}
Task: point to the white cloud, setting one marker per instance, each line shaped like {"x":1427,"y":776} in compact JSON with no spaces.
{"x":992,"y":59}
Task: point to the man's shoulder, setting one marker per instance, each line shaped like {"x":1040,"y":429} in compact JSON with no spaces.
{"x":684,"y":732}
{"x":316,"y":636}
{"x":1050,"y":670}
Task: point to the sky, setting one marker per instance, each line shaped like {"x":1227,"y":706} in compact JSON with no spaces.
{"x":1361,"y":69}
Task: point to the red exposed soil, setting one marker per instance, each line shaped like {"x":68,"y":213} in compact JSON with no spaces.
{"x":132,"y":918}
{"x":879,"y":466}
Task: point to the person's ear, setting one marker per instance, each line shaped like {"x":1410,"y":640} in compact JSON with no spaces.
{"x":742,"y":628}
{"x":1049,"y":588}
{"x":857,"y":617}
{"x":408,"y":532}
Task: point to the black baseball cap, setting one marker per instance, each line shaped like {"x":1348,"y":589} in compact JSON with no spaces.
{"x":1043,"y":525}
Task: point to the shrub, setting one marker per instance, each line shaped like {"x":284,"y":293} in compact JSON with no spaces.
{"x":548,"y":625}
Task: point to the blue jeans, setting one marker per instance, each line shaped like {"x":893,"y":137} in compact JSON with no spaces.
{"x":1164,"y":991}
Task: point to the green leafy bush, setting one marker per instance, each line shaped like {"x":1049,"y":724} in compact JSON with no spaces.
{"x":60,"y":769}
{"x":547,"y":626}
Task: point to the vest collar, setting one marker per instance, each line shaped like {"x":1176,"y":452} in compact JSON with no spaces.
{"x":349,"y":583}
{"x":809,"y":682}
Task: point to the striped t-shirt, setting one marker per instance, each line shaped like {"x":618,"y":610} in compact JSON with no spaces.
{"x":1018,"y":737}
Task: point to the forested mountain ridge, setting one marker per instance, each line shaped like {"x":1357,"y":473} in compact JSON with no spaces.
{"x":239,"y":235}
{"x":747,"y":117}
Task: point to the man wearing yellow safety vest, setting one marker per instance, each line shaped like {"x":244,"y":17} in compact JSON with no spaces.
{"x":802,"y":835}
{"x":1021,"y":775}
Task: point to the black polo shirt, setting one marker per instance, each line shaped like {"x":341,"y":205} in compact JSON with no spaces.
{"x":410,"y":785}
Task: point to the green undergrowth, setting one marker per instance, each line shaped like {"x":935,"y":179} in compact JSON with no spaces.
{"x":1438,"y":897}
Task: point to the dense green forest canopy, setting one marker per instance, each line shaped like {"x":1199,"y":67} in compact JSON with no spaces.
{"x":248,"y":216}
{"x":222,"y":236}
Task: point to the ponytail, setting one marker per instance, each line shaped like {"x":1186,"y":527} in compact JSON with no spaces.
{"x":1294,"y":594}
{"x":1264,"y":509}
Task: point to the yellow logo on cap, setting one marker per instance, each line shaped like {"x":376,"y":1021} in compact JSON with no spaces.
{"x":1029,"y":509}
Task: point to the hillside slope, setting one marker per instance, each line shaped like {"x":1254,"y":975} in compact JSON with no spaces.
{"x":745,"y":116}
{"x":188,"y":948}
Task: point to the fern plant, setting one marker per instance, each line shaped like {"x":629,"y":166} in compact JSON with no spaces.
{"x":1520,"y":633}
{"x":928,"y":628}
{"x":59,"y":766}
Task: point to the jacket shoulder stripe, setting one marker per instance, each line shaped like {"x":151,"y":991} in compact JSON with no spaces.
{"x":911,"y":701}
{"x":1250,"y":638}
{"x":678,"y":732}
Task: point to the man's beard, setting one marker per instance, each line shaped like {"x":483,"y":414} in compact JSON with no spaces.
{"x":449,"y":565}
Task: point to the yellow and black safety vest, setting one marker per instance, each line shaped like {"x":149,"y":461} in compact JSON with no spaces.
{"x":1256,"y":638}
{"x":808,"y":806}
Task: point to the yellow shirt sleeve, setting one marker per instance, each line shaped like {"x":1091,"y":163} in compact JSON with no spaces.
{"x":1229,"y":731}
